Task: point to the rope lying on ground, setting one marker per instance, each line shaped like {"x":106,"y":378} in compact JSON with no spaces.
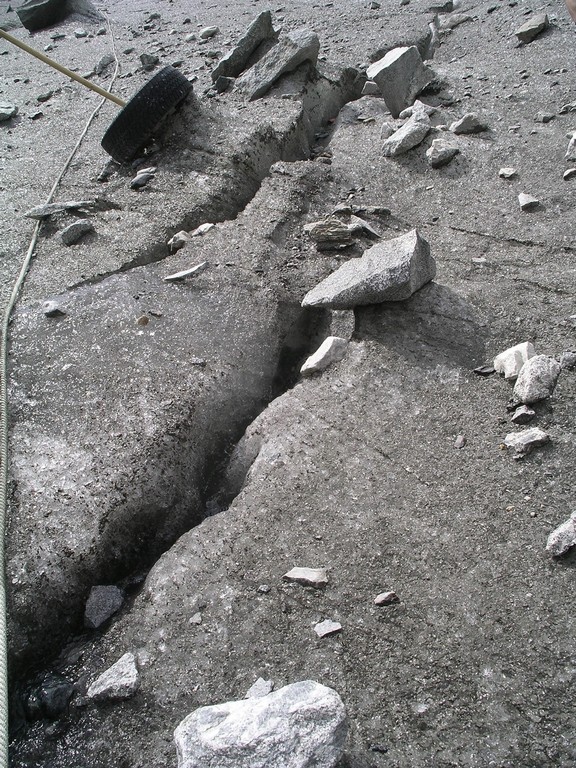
{"x":4,"y":422}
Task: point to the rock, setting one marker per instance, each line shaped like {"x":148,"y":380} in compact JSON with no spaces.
{"x":49,"y":209}
{"x":311,"y":577}
{"x":543,"y":117}
{"x":327,"y":627}
{"x":235,"y":61}
{"x":80,"y":33}
{"x":470,"y":123}
{"x":196,"y":619}
{"x":370,"y":88}
{"x":525,"y":441}
{"x":54,"y":695}
{"x":533,"y":27}
{"x":103,"y":602}
{"x":386,"y":598}
{"x":418,"y":106}
{"x":566,"y":108}
{"x":562,"y":538}
{"x":120,"y":681}
{"x":511,"y":360}
{"x":330,"y":351}
{"x":356,"y":224}
{"x":178,"y":241}
{"x":104,"y":63}
{"x":290,"y":51}
{"x":149,"y":61}
{"x":202,"y":229}
{"x":141,"y":179}
{"x":528,"y":202}
{"x":537,"y":379}
{"x":441,"y":152}
{"x":484,"y":370}
{"x":75,"y":231}
{"x":329,"y":231}
{"x":460,"y":441}
{"x":208,"y":32}
{"x":37,"y":14}
{"x":507,"y":173}
{"x":454,"y":20}
{"x":523,"y":415}
{"x":44,"y":97}
{"x":568,"y":359}
{"x":412,"y":133}
{"x":388,"y":271}
{"x":260,"y":688}
{"x":222,"y":84}
{"x":52,"y":309}
{"x":569,"y":173}
{"x":571,"y":151}
{"x":400,"y":75}
{"x":7,"y":111}
{"x":304,"y":723}
{"x":196,"y":270}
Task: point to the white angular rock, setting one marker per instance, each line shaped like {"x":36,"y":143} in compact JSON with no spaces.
{"x":571,"y":151}
{"x":441,"y":152}
{"x":525,"y":441}
{"x":290,"y":51}
{"x":313,"y":577}
{"x":537,"y":379}
{"x":260,"y":688}
{"x":388,"y":271}
{"x":400,"y":75}
{"x":470,"y":123}
{"x":178,"y":241}
{"x":330,"y":351}
{"x":562,"y":538}
{"x":511,"y":360}
{"x":418,"y":106}
{"x":302,"y":725}
{"x":7,"y":111}
{"x":528,"y":31}
{"x":507,"y":173}
{"x":412,"y":133}
{"x":386,"y":598}
{"x":202,"y":229}
{"x":120,"y":681}
{"x":327,"y":627}
{"x":528,"y":202}
{"x":186,"y":272}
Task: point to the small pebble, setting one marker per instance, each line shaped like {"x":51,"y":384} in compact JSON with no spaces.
{"x":528,"y":202}
{"x":52,"y":309}
{"x":80,"y":33}
{"x":196,"y":619}
{"x":264,"y":588}
{"x":327,"y":627}
{"x":507,"y":173}
{"x":386,"y":598}
{"x":460,"y":442}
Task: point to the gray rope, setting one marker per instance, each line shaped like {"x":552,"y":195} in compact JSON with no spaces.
{"x":16,"y":288}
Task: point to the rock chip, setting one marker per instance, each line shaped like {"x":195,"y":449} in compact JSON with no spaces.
{"x":562,"y":538}
{"x":525,"y":441}
{"x":470,"y":123}
{"x":103,"y":602}
{"x":533,"y":27}
{"x":7,"y":111}
{"x":178,"y":241}
{"x":202,"y":229}
{"x":49,"y":209}
{"x":235,"y":61}
{"x":386,"y":598}
{"x":330,"y":351}
{"x":507,"y":173}
{"x":195,"y":270}
{"x":330,"y":230}
{"x":388,"y":271}
{"x":80,"y":33}
{"x":568,"y":359}
{"x":543,"y":117}
{"x":37,"y":14}
{"x":312,"y":577}
{"x":412,"y":133}
{"x":528,"y":202}
{"x":302,"y":725}
{"x":571,"y":151}
{"x":208,"y":32}
{"x":537,"y":379}
{"x":290,"y":51}
{"x":370,"y":88}
{"x":52,"y":309}
{"x":511,"y":360}
{"x":260,"y":688}
{"x":569,"y":173}
{"x":75,"y":231}
{"x":120,"y":681}
{"x":400,"y":75}
{"x":441,"y":152}
{"x":523,"y":415}
{"x":149,"y":61}
{"x":327,"y":627}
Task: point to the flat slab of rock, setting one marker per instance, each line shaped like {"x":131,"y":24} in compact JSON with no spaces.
{"x":470,"y":123}
{"x":388,"y":271}
{"x":327,"y":627}
{"x":510,"y":361}
{"x":412,"y":133}
{"x":50,"y":209}
{"x":235,"y":61}
{"x":290,"y":51}
{"x":528,"y":202}
{"x":533,"y":27}
{"x":562,"y":538}
{"x":75,"y":231}
{"x":313,"y":577}
{"x":120,"y":681}
{"x":525,"y":441}
{"x":330,"y":351}
{"x":400,"y":75}
{"x":7,"y":111}
{"x":537,"y":379}
{"x":299,"y":726}
{"x":260,"y":688}
{"x":441,"y":152}
{"x":103,"y":602}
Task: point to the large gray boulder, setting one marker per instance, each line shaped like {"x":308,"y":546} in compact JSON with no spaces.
{"x":232,"y":64}
{"x":302,"y":725}
{"x":400,"y":75}
{"x":290,"y":51}
{"x":389,"y":271}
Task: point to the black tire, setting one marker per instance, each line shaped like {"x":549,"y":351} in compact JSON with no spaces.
{"x":142,"y":115}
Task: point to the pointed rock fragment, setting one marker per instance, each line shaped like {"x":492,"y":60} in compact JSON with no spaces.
{"x":533,"y":27}
{"x":412,"y":133}
{"x":330,"y":351}
{"x":388,"y":271}
{"x":441,"y":152}
{"x":562,"y":538}
{"x":400,"y":75}
{"x":537,"y":379}
{"x":120,"y":681}
{"x":525,"y":441}
{"x":511,"y":360}
{"x":236,"y":60}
